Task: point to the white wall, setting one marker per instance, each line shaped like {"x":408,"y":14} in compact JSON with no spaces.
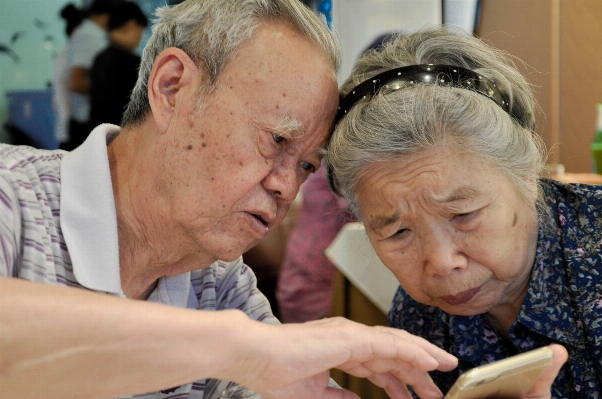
{"x":359,"y":22}
{"x":460,"y":13}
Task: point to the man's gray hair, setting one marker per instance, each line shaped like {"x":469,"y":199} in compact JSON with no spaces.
{"x":422,"y":116}
{"x":210,"y":31}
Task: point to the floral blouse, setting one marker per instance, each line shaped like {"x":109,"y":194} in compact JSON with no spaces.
{"x":563,"y":303}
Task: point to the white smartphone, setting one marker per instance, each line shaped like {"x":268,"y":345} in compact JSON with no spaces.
{"x":509,"y":378}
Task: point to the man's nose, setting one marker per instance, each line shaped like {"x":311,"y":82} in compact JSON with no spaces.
{"x":441,"y":252}
{"x":283,"y":180}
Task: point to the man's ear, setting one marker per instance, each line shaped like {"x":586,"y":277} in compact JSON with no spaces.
{"x":173,"y":79}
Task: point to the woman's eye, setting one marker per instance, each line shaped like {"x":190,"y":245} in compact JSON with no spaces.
{"x":463,"y":217}
{"x":277,"y":138}
{"x":399,"y":233}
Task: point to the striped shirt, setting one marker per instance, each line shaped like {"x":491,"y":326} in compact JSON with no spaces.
{"x":73,"y":241}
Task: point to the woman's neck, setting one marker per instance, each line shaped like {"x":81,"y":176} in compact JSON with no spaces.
{"x":505,"y":313}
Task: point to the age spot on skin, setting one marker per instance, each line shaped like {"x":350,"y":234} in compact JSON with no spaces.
{"x":204,"y":145}
{"x":514,"y":221}
{"x":189,"y":147}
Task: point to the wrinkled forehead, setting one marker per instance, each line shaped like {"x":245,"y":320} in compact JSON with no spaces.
{"x":285,"y":74}
{"x":435,"y":176}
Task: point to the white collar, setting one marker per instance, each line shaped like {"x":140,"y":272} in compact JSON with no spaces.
{"x":89,"y":223}
{"x":88,"y":217}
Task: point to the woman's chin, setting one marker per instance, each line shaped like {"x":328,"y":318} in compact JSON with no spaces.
{"x":466,"y":309}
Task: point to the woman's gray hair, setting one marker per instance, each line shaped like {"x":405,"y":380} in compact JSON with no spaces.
{"x":422,"y":116}
{"x":210,"y":31}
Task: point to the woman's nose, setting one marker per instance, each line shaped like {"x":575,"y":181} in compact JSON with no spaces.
{"x":441,"y":252}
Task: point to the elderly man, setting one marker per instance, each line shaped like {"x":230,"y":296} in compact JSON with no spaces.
{"x":233,"y":103}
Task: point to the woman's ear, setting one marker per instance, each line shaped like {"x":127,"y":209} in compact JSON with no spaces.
{"x":173,"y":79}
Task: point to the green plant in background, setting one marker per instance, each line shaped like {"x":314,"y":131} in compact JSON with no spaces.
{"x":598,"y":138}
{"x":596,"y":146}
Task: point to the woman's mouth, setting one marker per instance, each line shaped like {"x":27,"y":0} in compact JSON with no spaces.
{"x":461,"y":298}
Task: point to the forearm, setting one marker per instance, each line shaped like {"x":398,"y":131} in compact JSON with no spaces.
{"x":58,"y":342}
{"x":65,"y":342}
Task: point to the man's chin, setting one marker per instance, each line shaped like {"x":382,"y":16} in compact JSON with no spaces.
{"x":231,"y":256}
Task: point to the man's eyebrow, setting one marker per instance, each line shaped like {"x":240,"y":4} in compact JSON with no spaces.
{"x":380,"y":222}
{"x":461,"y":193}
{"x":290,"y":124}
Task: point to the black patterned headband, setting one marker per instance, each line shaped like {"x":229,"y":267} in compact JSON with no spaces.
{"x":446,"y":75}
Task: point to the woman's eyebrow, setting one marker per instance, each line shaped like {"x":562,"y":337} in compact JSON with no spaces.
{"x":461,"y":193}
{"x":380,"y":222}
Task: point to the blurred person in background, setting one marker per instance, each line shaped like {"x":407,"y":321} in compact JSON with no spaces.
{"x":87,"y":40}
{"x":73,"y":16}
{"x":305,"y":284}
{"x":115,"y":69}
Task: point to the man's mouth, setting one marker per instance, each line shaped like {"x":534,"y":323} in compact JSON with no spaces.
{"x":258,"y":217}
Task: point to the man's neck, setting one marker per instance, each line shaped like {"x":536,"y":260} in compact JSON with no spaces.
{"x":150,"y":245}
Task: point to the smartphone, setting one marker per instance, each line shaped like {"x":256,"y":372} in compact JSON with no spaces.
{"x":509,"y":378}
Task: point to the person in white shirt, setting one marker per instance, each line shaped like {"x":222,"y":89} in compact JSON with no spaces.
{"x":87,"y":40}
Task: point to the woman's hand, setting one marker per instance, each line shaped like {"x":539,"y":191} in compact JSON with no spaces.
{"x":541,"y":389}
{"x":293,"y":360}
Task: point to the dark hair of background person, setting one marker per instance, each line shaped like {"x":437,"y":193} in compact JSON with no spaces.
{"x":102,"y":7}
{"x":123,"y":13}
{"x":73,"y":16}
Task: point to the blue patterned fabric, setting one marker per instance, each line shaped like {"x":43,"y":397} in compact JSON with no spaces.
{"x":563,"y":303}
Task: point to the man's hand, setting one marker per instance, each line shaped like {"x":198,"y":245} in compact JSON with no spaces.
{"x":293,"y":360}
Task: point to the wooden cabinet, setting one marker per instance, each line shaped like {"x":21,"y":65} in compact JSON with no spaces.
{"x":560,"y":44}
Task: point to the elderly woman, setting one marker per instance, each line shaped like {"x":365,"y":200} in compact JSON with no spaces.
{"x":436,"y":154}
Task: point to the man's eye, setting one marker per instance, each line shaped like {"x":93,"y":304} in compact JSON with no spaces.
{"x":308,"y":167}
{"x":277,"y":138}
